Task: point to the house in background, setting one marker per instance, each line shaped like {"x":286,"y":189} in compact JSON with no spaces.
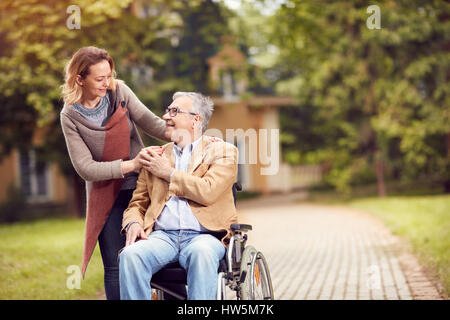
{"x":39,"y":183}
{"x":251,"y":122}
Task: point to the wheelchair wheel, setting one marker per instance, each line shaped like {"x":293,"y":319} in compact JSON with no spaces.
{"x":257,"y":284}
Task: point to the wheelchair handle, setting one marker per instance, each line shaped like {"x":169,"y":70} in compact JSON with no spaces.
{"x":240,"y":227}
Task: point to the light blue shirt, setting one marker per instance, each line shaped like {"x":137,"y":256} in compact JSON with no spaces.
{"x":177,"y":214}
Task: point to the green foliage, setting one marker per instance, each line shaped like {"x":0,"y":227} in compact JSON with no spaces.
{"x":170,"y":41}
{"x":363,"y":96}
{"x":370,"y":95}
{"x":252,"y":31}
{"x":184,"y":66}
{"x":39,"y":43}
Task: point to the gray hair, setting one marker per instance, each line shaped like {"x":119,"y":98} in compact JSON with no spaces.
{"x":201,"y":105}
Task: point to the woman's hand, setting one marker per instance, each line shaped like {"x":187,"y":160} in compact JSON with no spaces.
{"x":145,"y":155}
{"x":214,"y":139}
{"x":157,"y":149}
{"x":136,"y":163}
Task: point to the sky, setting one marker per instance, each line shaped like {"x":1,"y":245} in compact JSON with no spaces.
{"x":267,"y":7}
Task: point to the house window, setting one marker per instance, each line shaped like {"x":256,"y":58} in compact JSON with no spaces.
{"x":228,"y":85}
{"x":34,"y":177}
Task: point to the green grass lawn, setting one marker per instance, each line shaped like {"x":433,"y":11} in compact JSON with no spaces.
{"x":424,"y":220}
{"x":34,"y":258}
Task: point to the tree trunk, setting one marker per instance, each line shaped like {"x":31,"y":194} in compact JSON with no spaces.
{"x":447,"y":186}
{"x":379,"y":168}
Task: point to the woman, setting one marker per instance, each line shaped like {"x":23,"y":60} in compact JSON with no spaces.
{"x":99,"y":121}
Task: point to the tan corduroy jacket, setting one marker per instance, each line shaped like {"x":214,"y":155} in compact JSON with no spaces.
{"x":207,"y":185}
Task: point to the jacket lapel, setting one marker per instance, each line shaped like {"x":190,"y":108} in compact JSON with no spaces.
{"x":197,"y":155}
{"x":169,"y":154}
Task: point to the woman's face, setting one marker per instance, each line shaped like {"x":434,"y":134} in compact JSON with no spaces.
{"x":97,"y":81}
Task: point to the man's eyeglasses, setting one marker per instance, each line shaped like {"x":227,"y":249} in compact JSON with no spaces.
{"x":174,"y":111}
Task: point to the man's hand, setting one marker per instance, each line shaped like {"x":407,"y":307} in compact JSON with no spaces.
{"x":158,"y":165}
{"x":134,"y":232}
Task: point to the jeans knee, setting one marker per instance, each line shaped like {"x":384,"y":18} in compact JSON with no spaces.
{"x":129,"y":255}
{"x":204,"y":255}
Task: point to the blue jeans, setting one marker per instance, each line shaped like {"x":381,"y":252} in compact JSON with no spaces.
{"x":111,"y":241}
{"x":198,"y":253}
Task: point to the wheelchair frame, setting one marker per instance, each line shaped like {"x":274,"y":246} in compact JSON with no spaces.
{"x":246,"y":269}
{"x":243,"y":269}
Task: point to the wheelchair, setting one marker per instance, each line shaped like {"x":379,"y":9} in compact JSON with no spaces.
{"x":243,"y":270}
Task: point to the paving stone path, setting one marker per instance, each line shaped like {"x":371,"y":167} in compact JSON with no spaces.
{"x":323,"y":252}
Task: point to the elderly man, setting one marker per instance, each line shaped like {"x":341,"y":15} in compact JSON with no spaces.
{"x":183,"y":204}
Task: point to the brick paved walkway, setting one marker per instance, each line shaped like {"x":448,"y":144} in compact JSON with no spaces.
{"x":321,"y":252}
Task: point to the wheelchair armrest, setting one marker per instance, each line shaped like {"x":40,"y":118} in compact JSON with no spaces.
{"x":240,"y":227}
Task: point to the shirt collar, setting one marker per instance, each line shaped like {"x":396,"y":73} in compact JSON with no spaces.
{"x":191,"y":147}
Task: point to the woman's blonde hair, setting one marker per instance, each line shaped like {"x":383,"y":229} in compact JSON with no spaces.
{"x":79,"y":65}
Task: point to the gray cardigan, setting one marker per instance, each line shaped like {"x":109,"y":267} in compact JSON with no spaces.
{"x":85,"y":140}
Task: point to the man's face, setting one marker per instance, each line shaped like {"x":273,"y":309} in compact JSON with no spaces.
{"x":180,"y":128}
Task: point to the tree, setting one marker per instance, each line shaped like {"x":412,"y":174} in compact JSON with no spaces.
{"x":168,"y":38}
{"x":36,"y":43}
{"x":183,"y":56}
{"x":379,"y":98}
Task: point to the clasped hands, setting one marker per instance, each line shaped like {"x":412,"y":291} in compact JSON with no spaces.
{"x":151,"y":159}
